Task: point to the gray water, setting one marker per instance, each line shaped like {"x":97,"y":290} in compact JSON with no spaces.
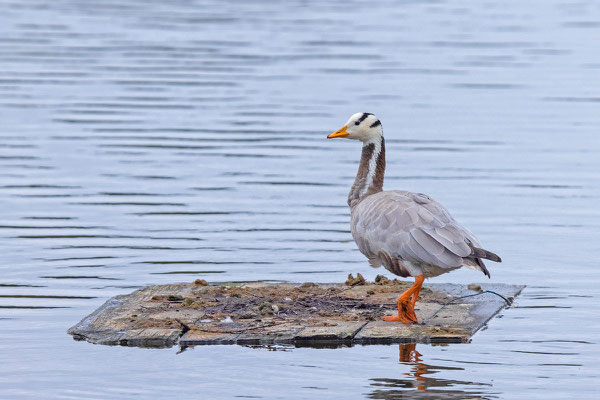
{"x":150,"y":142}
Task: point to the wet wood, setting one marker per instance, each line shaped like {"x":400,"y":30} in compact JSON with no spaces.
{"x":285,"y":313}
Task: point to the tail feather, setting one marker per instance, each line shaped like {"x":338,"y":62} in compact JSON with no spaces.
{"x":482,"y":267}
{"x":476,"y":252}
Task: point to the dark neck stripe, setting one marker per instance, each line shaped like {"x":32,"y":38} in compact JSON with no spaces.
{"x":374,"y":124}
{"x":363,"y":117}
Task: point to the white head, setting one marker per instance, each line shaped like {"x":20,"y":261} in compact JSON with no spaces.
{"x":361,"y":126}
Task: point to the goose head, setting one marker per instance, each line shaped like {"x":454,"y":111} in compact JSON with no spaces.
{"x":361,"y":126}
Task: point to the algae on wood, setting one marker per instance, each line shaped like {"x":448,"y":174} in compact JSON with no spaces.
{"x":284,"y":313}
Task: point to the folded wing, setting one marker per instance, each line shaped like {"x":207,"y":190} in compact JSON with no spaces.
{"x":414,"y":227}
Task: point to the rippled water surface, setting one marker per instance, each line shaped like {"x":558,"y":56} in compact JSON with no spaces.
{"x":148,"y":142}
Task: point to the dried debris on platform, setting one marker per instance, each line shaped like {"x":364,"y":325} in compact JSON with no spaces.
{"x":285,"y":313}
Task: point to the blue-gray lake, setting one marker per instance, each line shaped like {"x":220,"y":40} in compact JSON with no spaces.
{"x":149,"y":142}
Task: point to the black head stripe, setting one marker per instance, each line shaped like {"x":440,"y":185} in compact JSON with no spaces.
{"x":362,"y":118}
{"x":374,"y":124}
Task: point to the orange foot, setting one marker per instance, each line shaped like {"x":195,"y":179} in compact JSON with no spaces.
{"x":406,"y":313}
{"x":406,"y":304}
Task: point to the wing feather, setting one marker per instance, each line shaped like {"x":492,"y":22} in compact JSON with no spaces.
{"x":454,"y":242}
{"x":431,"y":245}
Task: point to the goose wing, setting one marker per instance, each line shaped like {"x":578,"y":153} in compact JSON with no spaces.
{"x":414,"y":227}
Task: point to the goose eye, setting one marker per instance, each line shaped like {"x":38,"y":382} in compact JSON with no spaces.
{"x":356,"y":123}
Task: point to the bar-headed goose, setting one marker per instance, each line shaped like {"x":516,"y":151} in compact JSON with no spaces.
{"x":410,"y":234}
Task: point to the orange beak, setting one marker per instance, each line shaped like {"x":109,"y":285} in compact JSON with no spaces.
{"x":339,"y":133}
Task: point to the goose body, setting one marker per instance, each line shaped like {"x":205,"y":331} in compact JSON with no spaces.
{"x":409,"y":234}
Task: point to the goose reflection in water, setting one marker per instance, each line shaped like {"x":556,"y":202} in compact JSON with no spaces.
{"x":419,"y":383}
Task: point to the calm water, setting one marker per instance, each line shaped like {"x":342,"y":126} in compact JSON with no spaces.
{"x":146,"y":143}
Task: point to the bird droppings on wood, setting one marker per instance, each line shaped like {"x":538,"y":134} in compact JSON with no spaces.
{"x":475,"y":287}
{"x":352,"y":281}
{"x":382,"y":280}
{"x":307,"y":314}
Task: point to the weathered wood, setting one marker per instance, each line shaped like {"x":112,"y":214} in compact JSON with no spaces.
{"x":284,"y":313}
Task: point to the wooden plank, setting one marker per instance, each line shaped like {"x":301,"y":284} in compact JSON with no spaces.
{"x":330,"y":331}
{"x":199,"y":337}
{"x":382,"y":332}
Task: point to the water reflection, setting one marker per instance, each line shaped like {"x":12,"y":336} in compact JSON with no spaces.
{"x":419,"y":384}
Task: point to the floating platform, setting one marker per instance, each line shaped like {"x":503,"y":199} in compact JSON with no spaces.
{"x":308,"y":314}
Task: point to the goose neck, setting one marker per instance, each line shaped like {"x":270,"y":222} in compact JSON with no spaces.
{"x":371,"y":170}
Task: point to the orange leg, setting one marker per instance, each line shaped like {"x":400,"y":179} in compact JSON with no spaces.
{"x":406,"y":304}
{"x":419,"y":282}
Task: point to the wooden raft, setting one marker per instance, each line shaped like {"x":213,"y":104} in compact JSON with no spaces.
{"x":308,"y":314}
